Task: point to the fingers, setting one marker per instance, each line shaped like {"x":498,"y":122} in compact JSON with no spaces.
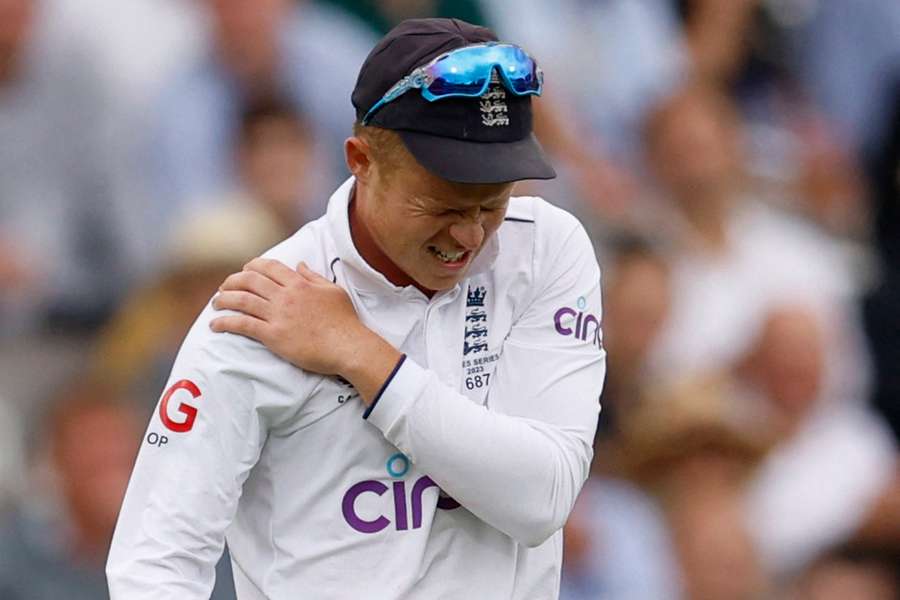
{"x":273,"y":269}
{"x":251,"y":281}
{"x":245,"y":325}
{"x":309,"y":274}
{"x":245,"y":302}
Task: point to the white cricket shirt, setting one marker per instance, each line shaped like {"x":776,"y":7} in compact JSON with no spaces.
{"x":455,"y":485}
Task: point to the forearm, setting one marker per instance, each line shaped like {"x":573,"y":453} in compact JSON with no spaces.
{"x":517,"y":474}
{"x":159,"y":579}
{"x":169,"y":534}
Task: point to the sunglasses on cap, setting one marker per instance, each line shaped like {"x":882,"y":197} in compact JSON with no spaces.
{"x":467,"y":72}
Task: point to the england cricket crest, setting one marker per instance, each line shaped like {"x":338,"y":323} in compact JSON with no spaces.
{"x":494,"y":111}
{"x":478,"y":361}
{"x":475,"y":337}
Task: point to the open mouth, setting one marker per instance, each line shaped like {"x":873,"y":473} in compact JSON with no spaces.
{"x":451,"y":259}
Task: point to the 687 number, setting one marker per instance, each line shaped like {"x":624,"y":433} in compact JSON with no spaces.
{"x":477,"y":381}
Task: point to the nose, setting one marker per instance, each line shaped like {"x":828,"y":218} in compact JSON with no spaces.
{"x":469,"y":234}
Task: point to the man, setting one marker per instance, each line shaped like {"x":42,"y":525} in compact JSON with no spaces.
{"x":304,"y":52}
{"x":60,"y":552}
{"x":66,"y":230}
{"x":430,"y":423}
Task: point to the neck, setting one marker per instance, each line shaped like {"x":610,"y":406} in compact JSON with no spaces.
{"x":372,"y":253}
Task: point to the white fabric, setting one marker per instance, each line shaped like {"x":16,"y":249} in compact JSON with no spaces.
{"x":719,"y":302}
{"x":813,"y":491}
{"x":286,"y":463}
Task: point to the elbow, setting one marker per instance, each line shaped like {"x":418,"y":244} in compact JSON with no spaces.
{"x":550,"y":508}
{"x":541,"y":529}
{"x":540,"y":519}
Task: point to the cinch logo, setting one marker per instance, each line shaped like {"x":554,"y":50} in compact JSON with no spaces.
{"x":569,"y":321}
{"x":189,"y":412}
{"x":397,"y":466}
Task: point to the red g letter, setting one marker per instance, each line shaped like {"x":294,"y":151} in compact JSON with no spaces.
{"x":189,"y":411}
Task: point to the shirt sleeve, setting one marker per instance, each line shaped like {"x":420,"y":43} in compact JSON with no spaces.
{"x":519,"y":462}
{"x":203,"y":439}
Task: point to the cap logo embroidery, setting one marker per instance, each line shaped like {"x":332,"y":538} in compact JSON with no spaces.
{"x":494,"y":111}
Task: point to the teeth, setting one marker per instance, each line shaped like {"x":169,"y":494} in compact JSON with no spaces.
{"x":448,"y":256}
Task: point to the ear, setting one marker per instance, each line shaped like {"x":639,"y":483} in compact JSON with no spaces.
{"x":358,"y":155}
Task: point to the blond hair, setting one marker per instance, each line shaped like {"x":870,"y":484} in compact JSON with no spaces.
{"x":387,"y":148}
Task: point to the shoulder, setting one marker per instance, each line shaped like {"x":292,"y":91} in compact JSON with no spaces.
{"x":548,"y":218}
{"x":541,"y":247}
{"x":244,"y":366}
{"x":540,"y":212}
{"x":544,"y":229}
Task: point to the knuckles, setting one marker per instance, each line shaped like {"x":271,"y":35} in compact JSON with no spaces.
{"x":241,"y":301}
{"x":298,"y":285}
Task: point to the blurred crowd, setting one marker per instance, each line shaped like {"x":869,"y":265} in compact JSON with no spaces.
{"x":737,"y":163}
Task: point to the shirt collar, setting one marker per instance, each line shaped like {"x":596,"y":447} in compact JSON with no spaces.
{"x":365,"y":277}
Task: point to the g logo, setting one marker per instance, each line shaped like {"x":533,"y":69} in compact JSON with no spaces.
{"x":190,"y":412}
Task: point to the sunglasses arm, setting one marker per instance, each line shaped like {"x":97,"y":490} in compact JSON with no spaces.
{"x":417,"y":79}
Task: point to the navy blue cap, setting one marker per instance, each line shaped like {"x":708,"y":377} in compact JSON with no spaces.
{"x":454,"y":138}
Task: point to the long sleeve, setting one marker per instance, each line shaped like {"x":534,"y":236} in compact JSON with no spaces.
{"x":203,"y":440}
{"x":518,"y":462}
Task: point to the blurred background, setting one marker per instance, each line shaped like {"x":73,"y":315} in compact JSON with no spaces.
{"x":737,"y":163}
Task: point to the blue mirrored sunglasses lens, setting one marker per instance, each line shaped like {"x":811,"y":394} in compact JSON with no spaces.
{"x":466,"y":72}
{"x":456,"y":84}
{"x":528,"y":83}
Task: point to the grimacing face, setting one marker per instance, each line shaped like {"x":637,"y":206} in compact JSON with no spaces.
{"x":431,"y":228}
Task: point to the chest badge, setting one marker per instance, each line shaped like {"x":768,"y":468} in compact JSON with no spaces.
{"x":475,"y":338}
{"x":476,"y":360}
